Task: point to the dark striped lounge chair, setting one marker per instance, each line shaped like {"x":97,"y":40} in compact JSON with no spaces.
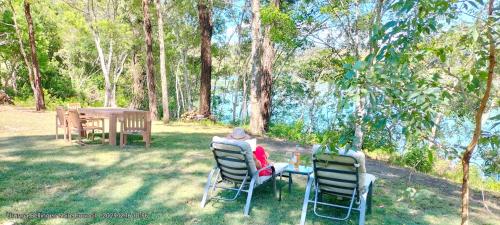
{"x":235,"y":170}
{"x":341,"y":174}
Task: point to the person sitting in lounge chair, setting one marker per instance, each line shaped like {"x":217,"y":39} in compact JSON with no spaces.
{"x":239,"y":168}
{"x":260,"y":156}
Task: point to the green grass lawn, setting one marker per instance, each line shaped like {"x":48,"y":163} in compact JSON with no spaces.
{"x":41,"y":174}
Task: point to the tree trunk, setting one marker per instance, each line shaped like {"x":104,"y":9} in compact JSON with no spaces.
{"x":244,"y":104}
{"x":149,"y":61}
{"x":13,"y":80}
{"x":478,"y":118}
{"x":204,"y":15}
{"x":360,"y":101}
{"x":177,"y":95}
{"x":267,"y":74}
{"x":163,"y":69}
{"x":40,"y":102}
{"x":235,"y":98}
{"x":185,"y":73}
{"x":29,"y":66}
{"x":434,"y":130}
{"x":256,"y":122}
{"x":138,"y":82}
{"x":105,"y":67}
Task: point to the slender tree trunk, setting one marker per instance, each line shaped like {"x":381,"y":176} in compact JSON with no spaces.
{"x":360,"y":101}
{"x":267,"y":74}
{"x":235,"y":98}
{"x":138,"y":82}
{"x":177,"y":97}
{"x":183,"y":99}
{"x":244,"y":104}
{"x":185,"y":73}
{"x":478,"y":118}
{"x":21,"y":48}
{"x":434,"y":130}
{"x":204,"y":15}
{"x":256,"y":122}
{"x":13,"y":78}
{"x":105,"y":67}
{"x":29,"y":66}
{"x":40,"y":102}
{"x":163,"y":69}
{"x":153,"y":107}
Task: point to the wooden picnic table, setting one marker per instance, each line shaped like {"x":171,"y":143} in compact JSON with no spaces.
{"x":113,"y":115}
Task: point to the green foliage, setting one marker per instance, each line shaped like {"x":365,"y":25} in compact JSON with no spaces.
{"x":283,"y":29}
{"x":292,"y":132}
{"x":421,"y":159}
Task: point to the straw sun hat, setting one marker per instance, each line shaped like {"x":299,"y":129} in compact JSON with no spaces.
{"x":239,"y":134}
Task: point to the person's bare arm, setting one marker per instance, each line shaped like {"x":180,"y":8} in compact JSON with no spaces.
{"x":257,"y":163}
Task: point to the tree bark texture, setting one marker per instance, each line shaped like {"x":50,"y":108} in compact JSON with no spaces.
{"x":204,"y":14}
{"x":138,"y":82}
{"x":35,"y":68}
{"x":163,"y":68}
{"x":153,"y":106}
{"x":256,"y":122}
{"x":360,"y":102}
{"x":478,"y":118}
{"x":267,"y":74}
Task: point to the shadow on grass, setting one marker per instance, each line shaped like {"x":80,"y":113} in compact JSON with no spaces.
{"x":40,"y":174}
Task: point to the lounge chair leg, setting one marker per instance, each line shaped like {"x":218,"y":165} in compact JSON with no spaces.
{"x":249,"y":196}
{"x":274,"y":189}
{"x":362,"y":209}
{"x":306,"y":201}
{"x":207,"y":188}
{"x":369,"y":200}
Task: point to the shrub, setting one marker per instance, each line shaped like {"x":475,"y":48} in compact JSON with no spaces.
{"x":419,"y":158}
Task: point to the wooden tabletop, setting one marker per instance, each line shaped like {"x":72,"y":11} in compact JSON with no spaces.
{"x":106,"y":111}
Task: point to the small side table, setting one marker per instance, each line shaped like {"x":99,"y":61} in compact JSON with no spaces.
{"x":302,"y":170}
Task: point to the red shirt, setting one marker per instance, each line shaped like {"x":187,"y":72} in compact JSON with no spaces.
{"x":260,"y":155}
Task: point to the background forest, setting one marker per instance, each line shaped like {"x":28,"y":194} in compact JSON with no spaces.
{"x":401,"y":80}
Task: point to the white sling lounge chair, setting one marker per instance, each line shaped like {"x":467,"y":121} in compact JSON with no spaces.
{"x":343,"y":174}
{"x":235,"y":166}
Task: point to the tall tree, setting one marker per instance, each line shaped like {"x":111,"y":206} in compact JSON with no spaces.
{"x":111,"y":64}
{"x":256,"y":121}
{"x":163,"y":69}
{"x":267,"y":74}
{"x":40,"y":102}
{"x":33,"y":67}
{"x":136,"y":71}
{"x":206,"y":27}
{"x":478,"y":117}
{"x":149,"y":61}
{"x":360,"y":99}
{"x":23,"y":53}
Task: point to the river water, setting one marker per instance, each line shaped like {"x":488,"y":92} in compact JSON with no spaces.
{"x":289,"y":109}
